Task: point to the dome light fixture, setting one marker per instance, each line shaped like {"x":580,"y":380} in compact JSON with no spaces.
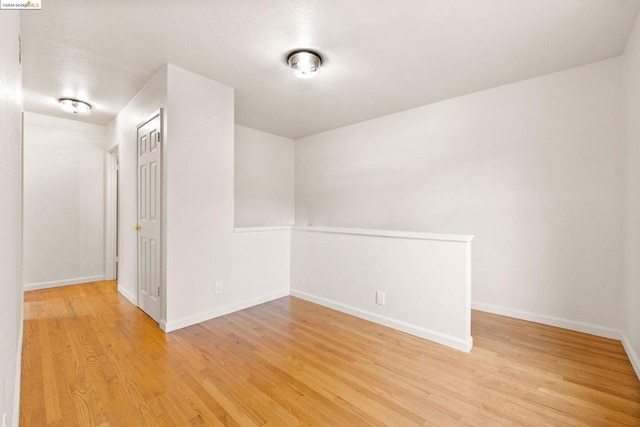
{"x":75,"y":106}
{"x":304,"y":64}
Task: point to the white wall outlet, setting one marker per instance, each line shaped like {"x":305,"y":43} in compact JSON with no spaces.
{"x":219,"y":287}
{"x":380,"y":297}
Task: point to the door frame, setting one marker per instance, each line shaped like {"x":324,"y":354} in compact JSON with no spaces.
{"x":111,"y":213}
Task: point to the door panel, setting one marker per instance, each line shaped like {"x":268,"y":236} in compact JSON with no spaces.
{"x":149,"y":198}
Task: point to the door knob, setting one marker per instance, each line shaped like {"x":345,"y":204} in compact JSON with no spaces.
{"x":137,"y":228}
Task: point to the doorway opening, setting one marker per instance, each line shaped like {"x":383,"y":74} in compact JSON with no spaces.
{"x":111,"y":214}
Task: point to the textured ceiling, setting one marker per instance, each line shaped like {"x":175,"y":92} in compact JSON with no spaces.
{"x":380,"y":56}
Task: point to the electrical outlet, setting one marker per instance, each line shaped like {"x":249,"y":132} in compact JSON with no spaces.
{"x":380,"y":297}
{"x":219,"y":287}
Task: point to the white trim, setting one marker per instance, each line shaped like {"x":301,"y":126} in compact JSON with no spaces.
{"x":359,"y":232}
{"x":65,"y":282}
{"x":387,"y":233}
{"x":262,"y":228}
{"x":15,"y":421}
{"x":634,"y":358}
{"x":447,"y":340}
{"x":222,"y":311}
{"x":558,"y":322}
{"x":133,"y":299}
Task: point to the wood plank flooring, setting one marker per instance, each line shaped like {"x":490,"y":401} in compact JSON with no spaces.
{"x":90,"y":358}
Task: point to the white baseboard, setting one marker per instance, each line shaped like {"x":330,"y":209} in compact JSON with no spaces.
{"x":447,"y":340}
{"x":15,"y":419}
{"x":133,"y":298}
{"x":65,"y":282}
{"x":202,"y":317}
{"x":573,"y":325}
{"x":631,"y":353}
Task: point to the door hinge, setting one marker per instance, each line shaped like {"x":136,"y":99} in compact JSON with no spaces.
{"x":158,"y":290}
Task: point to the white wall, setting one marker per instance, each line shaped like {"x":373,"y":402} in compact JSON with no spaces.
{"x":199,"y":191}
{"x":123,"y":131}
{"x":63,"y":201}
{"x":426,"y":279}
{"x":202,"y":247}
{"x":10,"y":217}
{"x":631,"y":296}
{"x":532,"y":169}
{"x":264,"y":178}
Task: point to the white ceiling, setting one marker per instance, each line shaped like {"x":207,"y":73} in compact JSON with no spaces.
{"x":380,"y":56}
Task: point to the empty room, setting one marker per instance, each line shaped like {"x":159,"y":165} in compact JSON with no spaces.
{"x":324,"y":213}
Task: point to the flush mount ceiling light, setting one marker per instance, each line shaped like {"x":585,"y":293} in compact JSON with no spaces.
{"x":74,"y":106}
{"x":304,"y":64}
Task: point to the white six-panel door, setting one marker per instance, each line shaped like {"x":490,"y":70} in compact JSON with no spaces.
{"x":149,"y":210}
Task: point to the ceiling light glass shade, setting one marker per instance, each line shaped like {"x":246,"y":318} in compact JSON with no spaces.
{"x":74,"y":106}
{"x":304,"y":64}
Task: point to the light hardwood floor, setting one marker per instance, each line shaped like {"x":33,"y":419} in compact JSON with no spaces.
{"x":92,"y":358}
